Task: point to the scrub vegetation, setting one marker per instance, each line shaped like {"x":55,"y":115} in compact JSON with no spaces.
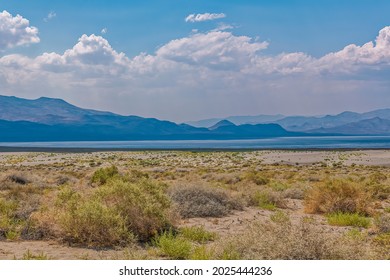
{"x":194,"y":205}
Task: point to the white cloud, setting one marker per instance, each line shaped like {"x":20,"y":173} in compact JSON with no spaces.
{"x":202,"y":73}
{"x":16,"y":31}
{"x":50,"y":16}
{"x":204,"y":17}
{"x":104,"y":30}
{"x":215,"y":49}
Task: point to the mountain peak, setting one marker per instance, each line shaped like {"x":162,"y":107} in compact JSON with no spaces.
{"x":221,"y":124}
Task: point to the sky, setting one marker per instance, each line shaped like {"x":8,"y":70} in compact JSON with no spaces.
{"x":184,"y":60}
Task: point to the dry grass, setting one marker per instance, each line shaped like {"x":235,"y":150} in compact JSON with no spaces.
{"x":337,"y":195}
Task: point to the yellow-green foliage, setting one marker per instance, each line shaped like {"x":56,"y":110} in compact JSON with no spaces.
{"x":143,"y":205}
{"x":101,"y":176}
{"x":174,"y":247}
{"x":94,"y":224}
{"x":115,"y":212}
{"x":197,"y":234}
{"x":256,"y":177}
{"x":338,"y":195}
{"x":348,"y":219}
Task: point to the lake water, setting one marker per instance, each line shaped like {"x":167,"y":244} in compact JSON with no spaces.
{"x":333,"y":142}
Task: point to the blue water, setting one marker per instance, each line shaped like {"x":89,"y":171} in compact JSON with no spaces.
{"x":331,"y":142}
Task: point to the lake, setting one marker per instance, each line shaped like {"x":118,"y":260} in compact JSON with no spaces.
{"x":328,"y":142}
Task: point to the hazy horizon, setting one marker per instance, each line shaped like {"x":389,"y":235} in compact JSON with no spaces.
{"x":199,"y":60}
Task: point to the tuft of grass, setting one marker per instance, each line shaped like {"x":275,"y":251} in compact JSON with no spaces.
{"x":202,"y":253}
{"x":28,"y":255}
{"x":280,"y":217}
{"x":172,"y":246}
{"x":196,"y":201}
{"x":102,"y":175}
{"x":338,"y":195}
{"x":268,"y":200}
{"x":348,"y":219}
{"x":197,"y":234}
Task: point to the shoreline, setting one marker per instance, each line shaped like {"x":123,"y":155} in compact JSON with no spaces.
{"x":7,"y":149}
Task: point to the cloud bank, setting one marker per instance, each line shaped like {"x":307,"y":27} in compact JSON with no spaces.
{"x":216,"y":73}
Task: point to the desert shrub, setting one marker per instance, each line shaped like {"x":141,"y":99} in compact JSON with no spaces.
{"x":197,"y":201}
{"x":294,"y":193}
{"x":348,"y":219}
{"x":256,"y":177}
{"x":144,"y":206}
{"x":379,"y":191}
{"x":101,"y":176}
{"x":93,"y":224}
{"x":172,"y":246}
{"x":267,"y":199}
{"x":383,"y":223}
{"x":115,"y":212}
{"x":197,"y":234}
{"x":8,"y":223}
{"x":335,"y":196}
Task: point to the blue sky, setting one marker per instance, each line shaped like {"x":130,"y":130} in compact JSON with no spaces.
{"x":236,"y":58}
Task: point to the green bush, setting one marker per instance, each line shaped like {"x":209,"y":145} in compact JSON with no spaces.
{"x":93,"y":224}
{"x":172,"y":246}
{"x":197,"y":234}
{"x":102,"y":175}
{"x":115,"y":213}
{"x":348,"y":219}
{"x":143,"y":205}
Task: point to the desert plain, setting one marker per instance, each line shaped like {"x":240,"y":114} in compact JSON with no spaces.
{"x":195,"y":205}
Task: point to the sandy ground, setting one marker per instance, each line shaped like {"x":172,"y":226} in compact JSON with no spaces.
{"x":234,"y":223}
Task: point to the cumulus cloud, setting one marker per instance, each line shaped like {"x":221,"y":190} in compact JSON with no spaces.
{"x":104,"y":30}
{"x":50,"y":16}
{"x":16,"y":31}
{"x":217,"y":66}
{"x":215,"y":49}
{"x":204,"y":17}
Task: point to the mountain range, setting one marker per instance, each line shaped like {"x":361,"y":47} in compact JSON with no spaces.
{"x":346,"y":123}
{"x":50,"y":119}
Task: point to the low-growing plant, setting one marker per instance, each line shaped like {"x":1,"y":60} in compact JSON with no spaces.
{"x":348,"y":219}
{"x":267,"y":199}
{"x":202,"y":253}
{"x":28,"y":255}
{"x":102,"y":175}
{"x":256,"y":177}
{"x":173,"y":246}
{"x":280,"y":217}
{"x":197,"y":234}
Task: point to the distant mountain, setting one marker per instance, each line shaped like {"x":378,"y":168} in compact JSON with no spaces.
{"x":221,"y":124}
{"x":320,"y":124}
{"x":47,"y":119}
{"x":374,"y":126}
{"x":237,"y":120}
